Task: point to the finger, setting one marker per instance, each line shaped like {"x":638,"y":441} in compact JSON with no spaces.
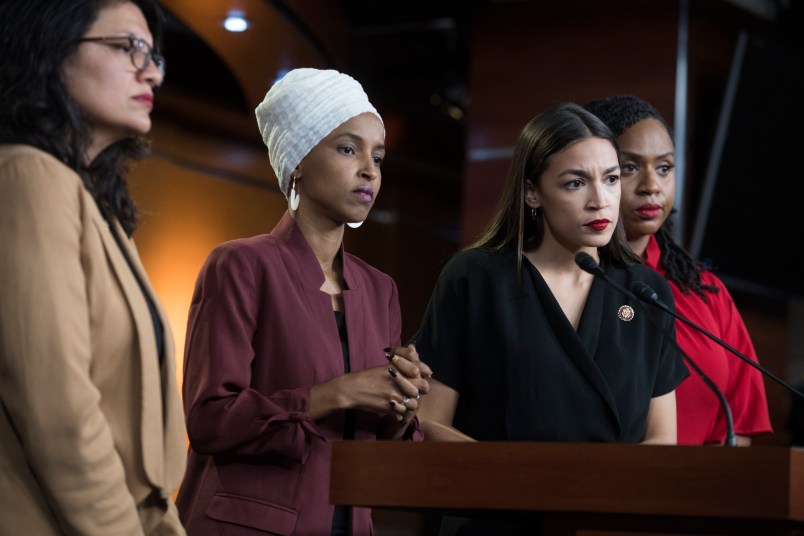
{"x":421,"y":385}
{"x":404,"y":365}
{"x":413,"y":405}
{"x":410,"y":354}
{"x":424,"y":368}
{"x":408,"y":404}
{"x":406,"y":386}
{"x":398,"y":409}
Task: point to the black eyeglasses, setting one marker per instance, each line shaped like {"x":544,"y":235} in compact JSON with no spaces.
{"x":140,"y":52}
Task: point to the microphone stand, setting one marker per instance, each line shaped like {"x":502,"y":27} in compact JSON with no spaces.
{"x":647,"y":294}
{"x":587,"y":263}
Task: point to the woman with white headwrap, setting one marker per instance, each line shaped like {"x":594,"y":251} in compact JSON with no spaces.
{"x":288,"y":334}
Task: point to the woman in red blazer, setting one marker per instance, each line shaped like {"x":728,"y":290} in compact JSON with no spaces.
{"x":647,"y":163}
{"x":288,"y":334}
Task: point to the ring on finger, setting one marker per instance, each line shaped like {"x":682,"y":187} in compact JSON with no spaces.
{"x":405,"y":401}
{"x":418,"y":396}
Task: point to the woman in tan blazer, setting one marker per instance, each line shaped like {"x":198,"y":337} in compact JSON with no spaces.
{"x":91,"y":428}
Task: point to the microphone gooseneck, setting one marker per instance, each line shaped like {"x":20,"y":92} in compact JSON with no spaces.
{"x":587,"y":263}
{"x":647,"y":294}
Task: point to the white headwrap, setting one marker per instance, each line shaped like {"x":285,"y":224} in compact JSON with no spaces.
{"x":301,"y":109}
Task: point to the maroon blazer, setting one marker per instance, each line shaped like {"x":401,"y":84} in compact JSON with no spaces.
{"x":260,"y":334}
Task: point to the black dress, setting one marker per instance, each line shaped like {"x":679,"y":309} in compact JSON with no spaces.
{"x":524,"y":373}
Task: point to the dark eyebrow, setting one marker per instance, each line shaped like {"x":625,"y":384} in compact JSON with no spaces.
{"x":360,"y":139}
{"x":637,"y":156}
{"x":583,"y":173}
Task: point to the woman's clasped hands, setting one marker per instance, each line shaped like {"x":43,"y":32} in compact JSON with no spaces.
{"x":410,"y":376}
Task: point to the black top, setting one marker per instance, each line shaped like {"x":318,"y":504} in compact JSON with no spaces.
{"x":524,"y":373}
{"x":340,"y":517}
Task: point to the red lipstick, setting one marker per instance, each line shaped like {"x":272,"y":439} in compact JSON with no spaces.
{"x":649,"y":211}
{"x":146,"y":99}
{"x":599,"y":225}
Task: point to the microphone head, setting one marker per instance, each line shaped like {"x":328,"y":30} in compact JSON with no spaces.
{"x":644,"y":291}
{"x":586,"y":262}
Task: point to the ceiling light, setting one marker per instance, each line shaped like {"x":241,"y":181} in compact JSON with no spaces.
{"x":235,"y":22}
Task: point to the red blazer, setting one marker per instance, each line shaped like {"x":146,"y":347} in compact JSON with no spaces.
{"x":260,"y":334}
{"x":700,"y":416}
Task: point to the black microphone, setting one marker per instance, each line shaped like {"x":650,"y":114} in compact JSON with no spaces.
{"x":647,"y":294}
{"x":587,"y":263}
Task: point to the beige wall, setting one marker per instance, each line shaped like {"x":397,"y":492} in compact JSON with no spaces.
{"x":185,"y":212}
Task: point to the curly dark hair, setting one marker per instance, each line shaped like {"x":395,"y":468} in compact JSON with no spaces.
{"x":36,"y":37}
{"x":620,"y":113}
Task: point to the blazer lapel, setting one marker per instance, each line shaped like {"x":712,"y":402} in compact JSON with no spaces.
{"x":152,"y":431}
{"x":576,"y":347}
{"x":353,"y":304}
{"x":308,"y":279}
{"x":167,"y":462}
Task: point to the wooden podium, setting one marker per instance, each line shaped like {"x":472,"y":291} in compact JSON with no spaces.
{"x":582,"y":488}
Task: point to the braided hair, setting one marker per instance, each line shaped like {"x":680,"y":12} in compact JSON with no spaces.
{"x":620,"y":113}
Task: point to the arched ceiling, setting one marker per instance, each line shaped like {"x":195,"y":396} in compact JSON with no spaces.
{"x":415,"y":39}
{"x":411,"y":57}
{"x":276,"y":40}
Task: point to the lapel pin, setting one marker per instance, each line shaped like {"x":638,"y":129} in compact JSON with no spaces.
{"x":625,"y":313}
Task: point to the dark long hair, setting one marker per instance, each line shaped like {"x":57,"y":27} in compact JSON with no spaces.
{"x":36,"y":37}
{"x":620,"y":113}
{"x":545,"y":135}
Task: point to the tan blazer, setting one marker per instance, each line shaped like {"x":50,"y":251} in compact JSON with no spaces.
{"x":91,"y":427}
